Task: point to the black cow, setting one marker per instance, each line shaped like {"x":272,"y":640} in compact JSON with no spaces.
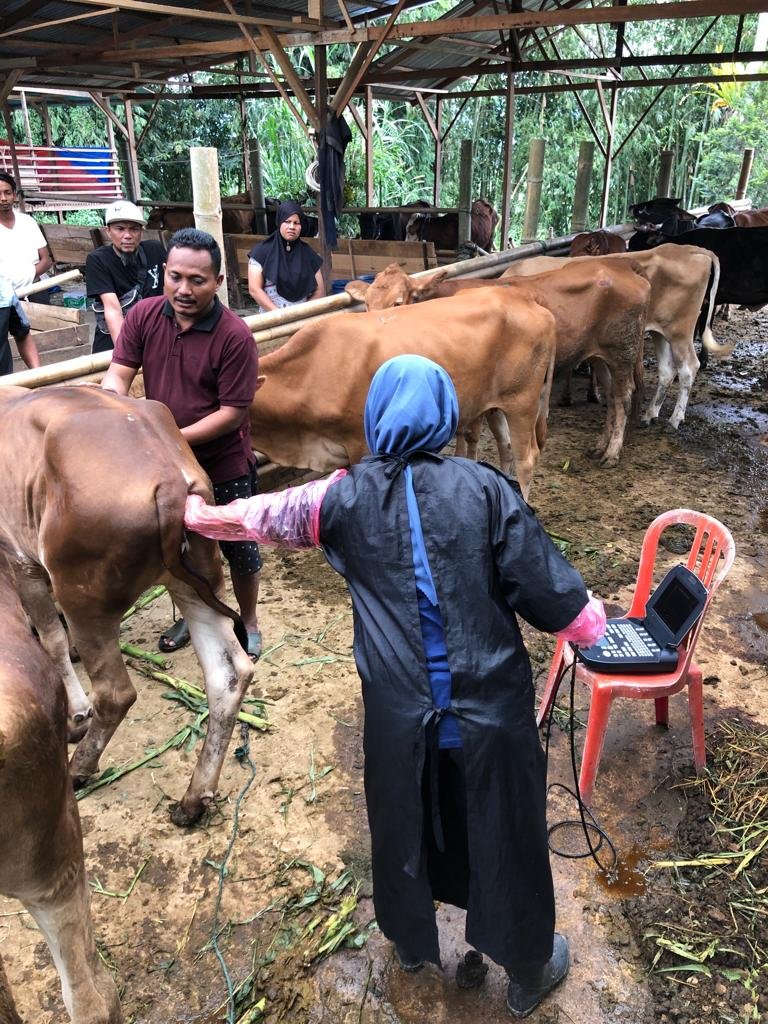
{"x":743,"y":255}
{"x":656,"y":211}
{"x":389,"y":227}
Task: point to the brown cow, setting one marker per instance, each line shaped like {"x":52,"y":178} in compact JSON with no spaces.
{"x":745,"y":218}
{"x":444,"y":230}
{"x":682,"y":278}
{"x":599,"y":314}
{"x":92,"y":494}
{"x":233,"y":222}
{"x":597,"y":243}
{"x":41,"y":846}
{"x":310,"y":410}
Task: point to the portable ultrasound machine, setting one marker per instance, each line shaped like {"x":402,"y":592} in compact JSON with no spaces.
{"x":650,"y":644}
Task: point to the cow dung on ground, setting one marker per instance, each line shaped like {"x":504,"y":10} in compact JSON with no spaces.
{"x":302,"y":829}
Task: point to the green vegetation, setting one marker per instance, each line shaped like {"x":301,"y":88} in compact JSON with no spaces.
{"x":706,"y":126}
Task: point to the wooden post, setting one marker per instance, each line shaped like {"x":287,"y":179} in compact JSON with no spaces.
{"x":438,"y":150}
{"x":244,"y":142}
{"x":583,"y":182}
{"x":370,"y":199}
{"x":746,"y":170}
{"x":509,"y":141}
{"x":133,"y":163}
{"x":533,"y":193}
{"x":465,"y":191}
{"x":321,"y":102}
{"x":610,"y":121}
{"x":14,"y":155}
{"x":257,"y":185}
{"x":206,"y":201}
{"x":666,"y":163}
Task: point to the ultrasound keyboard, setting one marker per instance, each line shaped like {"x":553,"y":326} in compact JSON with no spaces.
{"x":627,"y":646}
{"x":628,"y":640}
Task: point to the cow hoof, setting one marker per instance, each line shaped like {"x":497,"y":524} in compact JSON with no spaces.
{"x":184,"y":816}
{"x":77,"y":726}
{"x":609,"y":461}
{"x":596,"y":454}
{"x":81,"y":779}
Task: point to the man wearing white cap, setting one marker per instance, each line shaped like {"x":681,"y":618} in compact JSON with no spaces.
{"x":121,"y":273}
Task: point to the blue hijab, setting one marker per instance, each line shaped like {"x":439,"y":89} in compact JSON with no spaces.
{"x":411,"y":407}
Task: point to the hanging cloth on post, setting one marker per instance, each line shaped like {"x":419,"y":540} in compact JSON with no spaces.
{"x":334,"y":140}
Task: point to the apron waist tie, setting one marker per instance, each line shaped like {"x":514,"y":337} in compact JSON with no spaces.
{"x":428,"y":740}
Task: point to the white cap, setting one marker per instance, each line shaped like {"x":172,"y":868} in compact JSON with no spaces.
{"x":124,"y":210}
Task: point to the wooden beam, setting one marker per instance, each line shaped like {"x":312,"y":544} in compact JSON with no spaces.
{"x":256,"y":49}
{"x":509,"y":139}
{"x":678,"y":9}
{"x":427,"y":116}
{"x":151,"y":7}
{"x":22,"y":13}
{"x":133,"y":163}
{"x":105,"y":108}
{"x":369,"y":195}
{"x":11,"y":142}
{"x":355,"y":74}
{"x":345,"y":15}
{"x":37,"y":25}
{"x":8,"y":85}
{"x":289,"y":72}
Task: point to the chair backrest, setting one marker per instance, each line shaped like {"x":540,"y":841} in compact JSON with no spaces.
{"x":710,"y":557}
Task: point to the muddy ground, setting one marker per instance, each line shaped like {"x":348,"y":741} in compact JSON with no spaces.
{"x":297,"y":880}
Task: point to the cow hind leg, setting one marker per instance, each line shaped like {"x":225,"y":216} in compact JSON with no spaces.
{"x":96,"y":637}
{"x":8,"y":1012}
{"x":618,"y":390}
{"x":666,"y":370}
{"x":227,"y":671}
{"x":468,"y":438}
{"x":39,"y":606}
{"x":687,"y":368}
{"x":64,"y":918}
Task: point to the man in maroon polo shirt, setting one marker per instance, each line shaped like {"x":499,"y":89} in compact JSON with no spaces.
{"x":200,"y":360}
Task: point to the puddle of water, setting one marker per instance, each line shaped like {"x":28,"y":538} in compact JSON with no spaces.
{"x":733,"y":415}
{"x":625,"y":881}
{"x":761,"y":620}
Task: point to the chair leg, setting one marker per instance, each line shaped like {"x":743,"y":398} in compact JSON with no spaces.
{"x":599,"y":710}
{"x":696,"y":710}
{"x":562,"y":653}
{"x":662,"y":711}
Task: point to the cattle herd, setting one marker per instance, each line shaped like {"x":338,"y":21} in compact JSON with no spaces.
{"x":86,"y":526}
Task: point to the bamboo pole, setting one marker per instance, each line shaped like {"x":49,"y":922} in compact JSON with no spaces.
{"x":746,"y":170}
{"x":666,"y":163}
{"x":583,"y":181}
{"x":49,"y":282}
{"x":256,"y":188}
{"x":206,"y":200}
{"x":281,"y":323}
{"x":533,"y":196}
{"x":465,"y":191}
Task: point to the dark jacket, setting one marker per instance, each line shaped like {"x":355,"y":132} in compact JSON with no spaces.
{"x":490,"y":559}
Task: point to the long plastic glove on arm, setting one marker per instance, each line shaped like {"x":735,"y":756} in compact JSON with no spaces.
{"x":588,"y":626}
{"x":288,"y":519}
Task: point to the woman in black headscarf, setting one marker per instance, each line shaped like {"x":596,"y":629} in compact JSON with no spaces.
{"x":283,"y":270}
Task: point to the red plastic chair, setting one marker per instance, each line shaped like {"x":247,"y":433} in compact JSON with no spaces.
{"x":710,"y":557}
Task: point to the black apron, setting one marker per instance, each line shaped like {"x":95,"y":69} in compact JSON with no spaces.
{"x":489,"y":558}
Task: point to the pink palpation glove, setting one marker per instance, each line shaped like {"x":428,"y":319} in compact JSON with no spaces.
{"x":289,"y":518}
{"x":588,"y":626}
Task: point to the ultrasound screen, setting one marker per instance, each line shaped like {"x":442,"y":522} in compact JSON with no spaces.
{"x":675,"y":605}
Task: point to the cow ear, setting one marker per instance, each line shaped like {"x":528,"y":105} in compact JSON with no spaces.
{"x":357,"y":289}
{"x":260,"y":381}
{"x":428,"y":283}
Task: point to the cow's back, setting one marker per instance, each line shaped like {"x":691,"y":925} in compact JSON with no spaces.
{"x":312,"y":401}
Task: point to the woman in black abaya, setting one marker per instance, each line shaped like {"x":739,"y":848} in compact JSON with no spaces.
{"x":283,"y":270}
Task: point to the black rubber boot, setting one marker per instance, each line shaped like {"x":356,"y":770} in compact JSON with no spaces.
{"x":527,"y":989}
{"x":407,"y":962}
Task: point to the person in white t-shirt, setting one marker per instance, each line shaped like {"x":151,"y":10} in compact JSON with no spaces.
{"x":24,"y":254}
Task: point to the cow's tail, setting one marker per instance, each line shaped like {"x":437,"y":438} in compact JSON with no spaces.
{"x":170,"y":519}
{"x":707,"y":338}
{"x":546,"y":392}
{"x":638,"y":376}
